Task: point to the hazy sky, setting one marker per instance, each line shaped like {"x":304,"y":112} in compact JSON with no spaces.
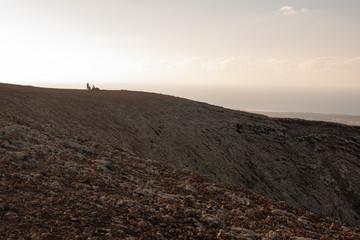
{"x":259,"y":54}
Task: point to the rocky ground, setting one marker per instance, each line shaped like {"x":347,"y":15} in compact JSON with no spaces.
{"x":309,"y":165}
{"x":68,"y":187}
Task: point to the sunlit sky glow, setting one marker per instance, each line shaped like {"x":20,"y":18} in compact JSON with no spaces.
{"x":261,"y":54}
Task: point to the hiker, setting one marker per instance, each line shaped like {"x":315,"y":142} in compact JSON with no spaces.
{"x":93,"y":88}
{"x":88,"y":86}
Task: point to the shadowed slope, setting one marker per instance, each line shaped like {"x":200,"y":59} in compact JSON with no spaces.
{"x":311,"y":165}
{"x":66,"y":187}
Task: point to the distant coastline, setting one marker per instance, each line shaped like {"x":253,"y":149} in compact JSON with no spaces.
{"x":353,"y":120}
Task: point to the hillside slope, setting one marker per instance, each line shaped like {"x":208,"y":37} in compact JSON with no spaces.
{"x":66,"y":187}
{"x":310,"y":165}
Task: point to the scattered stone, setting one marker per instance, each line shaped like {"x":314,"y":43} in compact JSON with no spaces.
{"x":190,"y":188}
{"x":272,"y":235}
{"x":212,"y":188}
{"x":212,"y":221}
{"x":282,"y":213}
{"x":238,"y":199}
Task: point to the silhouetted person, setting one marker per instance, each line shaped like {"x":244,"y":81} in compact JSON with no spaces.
{"x":92,"y":88}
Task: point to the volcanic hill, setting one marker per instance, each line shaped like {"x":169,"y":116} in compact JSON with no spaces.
{"x":76,"y":163}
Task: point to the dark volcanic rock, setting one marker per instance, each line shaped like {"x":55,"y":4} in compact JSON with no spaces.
{"x":66,"y":187}
{"x":310,"y":165}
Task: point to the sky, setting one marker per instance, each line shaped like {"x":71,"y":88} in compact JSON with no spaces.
{"x":275,"y":55}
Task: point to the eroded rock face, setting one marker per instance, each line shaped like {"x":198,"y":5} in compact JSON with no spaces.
{"x":309,"y":165}
{"x":67,"y":187}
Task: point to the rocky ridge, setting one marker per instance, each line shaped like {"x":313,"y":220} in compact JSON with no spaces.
{"x":309,"y":165}
{"x":68,"y":187}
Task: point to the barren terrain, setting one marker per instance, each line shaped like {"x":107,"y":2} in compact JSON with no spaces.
{"x":74,"y":163}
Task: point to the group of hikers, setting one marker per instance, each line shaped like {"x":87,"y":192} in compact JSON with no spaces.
{"x":93,"y":87}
